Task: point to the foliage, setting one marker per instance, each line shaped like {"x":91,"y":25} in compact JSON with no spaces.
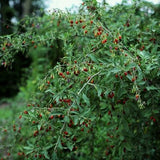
{"x":11,"y":12}
{"x":102,"y":99}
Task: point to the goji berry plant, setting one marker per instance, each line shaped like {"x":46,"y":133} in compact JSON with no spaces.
{"x":101,"y":100}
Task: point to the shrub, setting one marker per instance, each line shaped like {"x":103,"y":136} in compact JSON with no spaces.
{"x":101,"y":101}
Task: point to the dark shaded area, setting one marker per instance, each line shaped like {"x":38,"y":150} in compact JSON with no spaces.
{"x":6,"y":14}
{"x":10,"y":78}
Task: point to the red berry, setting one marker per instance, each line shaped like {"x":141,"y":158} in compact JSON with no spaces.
{"x":85,"y":31}
{"x":34,"y":122}
{"x":116,"y":48}
{"x":76,"y":22}
{"x":62,"y":116}
{"x":116,"y":41}
{"x":104,"y":41}
{"x":107,"y":153}
{"x":49,"y":109}
{"x":74,"y":139}
{"x":120,"y":37}
{"x":65,"y":132}
{"x":112,"y":95}
{"x":151,"y":117}
{"x":112,"y":146}
{"x":51,"y":117}
{"x":83,"y":27}
{"x":91,"y":22}
{"x":25,"y":112}
{"x":99,"y":33}
{"x":109,"y":112}
{"x":82,"y":129}
{"x":19,"y":153}
{"x":51,"y":105}
{"x":41,"y":128}
{"x":85,"y":69}
{"x":133,"y":79}
{"x":70,"y":125}
{"x":125,"y":73}
{"x":74,"y":148}
{"x":154,"y":120}
{"x":67,"y":72}
{"x":61,"y":74}
{"x":137,"y":96}
{"x":71,"y":22}
{"x":35,"y":133}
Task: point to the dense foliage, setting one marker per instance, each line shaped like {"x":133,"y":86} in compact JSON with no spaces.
{"x":101,"y":100}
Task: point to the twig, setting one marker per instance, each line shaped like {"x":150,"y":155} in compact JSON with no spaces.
{"x":88,"y":82}
{"x":55,"y":148}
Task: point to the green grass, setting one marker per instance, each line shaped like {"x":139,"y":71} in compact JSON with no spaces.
{"x":10,"y":108}
{"x":6,"y":113}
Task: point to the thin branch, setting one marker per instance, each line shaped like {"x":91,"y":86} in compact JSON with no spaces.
{"x":55,"y":148}
{"x":88,"y":82}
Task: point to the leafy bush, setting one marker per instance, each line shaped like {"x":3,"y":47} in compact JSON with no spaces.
{"x":102,"y":99}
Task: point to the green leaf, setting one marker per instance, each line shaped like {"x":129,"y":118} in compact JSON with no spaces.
{"x":147,"y":114}
{"x":49,"y":91}
{"x":99,"y":91}
{"x":46,"y":154}
{"x":76,"y":120}
{"x":59,"y":144}
{"x":155,"y":111}
{"x":151,"y":88}
{"x":32,"y":114}
{"x":28,"y":148}
{"x":86,"y":99}
{"x":93,"y":58}
{"x":128,"y":146}
{"x":115,"y":70}
{"x":48,"y":146}
{"x":39,"y":126}
{"x":103,"y":105}
{"x":154,"y":50}
{"x":66,"y":119}
{"x":70,"y":145}
{"x":54,"y":156}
